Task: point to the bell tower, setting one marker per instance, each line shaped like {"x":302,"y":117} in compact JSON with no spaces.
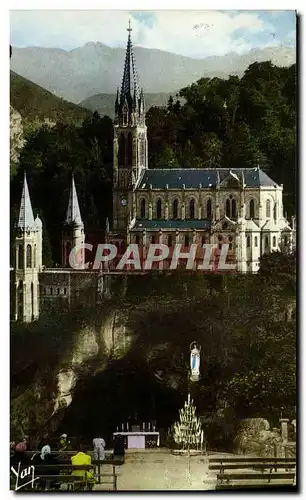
{"x":130,"y":145}
{"x":28,"y":260}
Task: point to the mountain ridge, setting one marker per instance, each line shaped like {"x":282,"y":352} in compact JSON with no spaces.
{"x":96,"y":68}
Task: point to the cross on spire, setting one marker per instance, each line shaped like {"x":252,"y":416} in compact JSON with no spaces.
{"x":129,"y":29}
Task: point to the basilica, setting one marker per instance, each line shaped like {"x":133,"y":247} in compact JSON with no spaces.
{"x":242,"y":208}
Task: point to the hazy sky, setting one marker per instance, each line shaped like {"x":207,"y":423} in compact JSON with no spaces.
{"x":191,"y":33}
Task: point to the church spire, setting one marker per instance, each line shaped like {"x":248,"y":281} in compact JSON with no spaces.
{"x":128,"y":103}
{"x":73,"y":216}
{"x":26,"y":217}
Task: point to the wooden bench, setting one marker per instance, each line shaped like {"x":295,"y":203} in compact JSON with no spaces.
{"x":248,"y":476}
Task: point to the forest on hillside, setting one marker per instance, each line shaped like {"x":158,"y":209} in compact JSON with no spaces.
{"x":238,"y":122}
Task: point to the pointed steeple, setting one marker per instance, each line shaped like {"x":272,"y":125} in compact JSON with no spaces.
{"x":26,"y":217}
{"x":73,"y":216}
{"x":129,"y":94}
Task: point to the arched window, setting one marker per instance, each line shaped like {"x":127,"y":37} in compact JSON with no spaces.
{"x":228,"y":208}
{"x":285,"y":240}
{"x":274,"y":211}
{"x":20,"y":257}
{"x":158,"y":209}
{"x":68,"y":250}
{"x":175,"y":209}
{"x":266,"y":242}
{"x":51,"y":291}
{"x":153,"y":239}
{"x":121,"y":153}
{"x":256,"y":241}
{"x":187,"y":241}
{"x":234,"y":212}
{"x":248,"y":242}
{"x":274,"y":241}
{"x":129,"y":149}
{"x":191,"y":209}
{"x":252,"y":209}
{"x":58,"y":291}
{"x":34,"y":255}
{"x":268,"y":209}
{"x":208,"y":209}
{"x":142,"y":208}
{"x":29,"y":256}
{"x":169,"y":240}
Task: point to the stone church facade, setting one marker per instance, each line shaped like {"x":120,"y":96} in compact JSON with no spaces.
{"x":242,"y":208}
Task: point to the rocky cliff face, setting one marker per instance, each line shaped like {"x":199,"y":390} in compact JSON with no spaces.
{"x":91,"y":353}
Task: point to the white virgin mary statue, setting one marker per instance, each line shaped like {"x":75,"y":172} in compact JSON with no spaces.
{"x":195,"y":363}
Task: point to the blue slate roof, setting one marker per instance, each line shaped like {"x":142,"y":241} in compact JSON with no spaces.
{"x":171,"y":224}
{"x":194,"y":177}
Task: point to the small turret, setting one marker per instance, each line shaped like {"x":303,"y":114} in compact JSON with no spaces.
{"x":73,"y":232}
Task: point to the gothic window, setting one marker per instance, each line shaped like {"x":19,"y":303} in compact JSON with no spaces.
{"x":228,"y":208}
{"x":268,"y":209}
{"x":68,"y":250}
{"x":121,"y":153}
{"x":191,"y":209}
{"x":187,"y":242}
{"x":142,"y":208}
{"x":175,"y":209}
{"x":285,"y":240}
{"x":29,"y":256}
{"x":248,"y":242}
{"x":208,"y":209}
{"x":274,"y":241}
{"x":129,"y":149}
{"x":20,"y":257}
{"x":274,"y":211}
{"x":158,"y":209}
{"x":266,"y":242}
{"x":34,"y":255}
{"x":169,"y":240}
{"x":252,"y":209}
{"x":256,"y":241}
{"x":234,"y":214}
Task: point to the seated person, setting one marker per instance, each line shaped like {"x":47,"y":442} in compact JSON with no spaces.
{"x":82,"y":458}
{"x":41,"y":462}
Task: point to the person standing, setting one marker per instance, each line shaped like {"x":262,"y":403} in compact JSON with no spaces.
{"x":99,"y":448}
